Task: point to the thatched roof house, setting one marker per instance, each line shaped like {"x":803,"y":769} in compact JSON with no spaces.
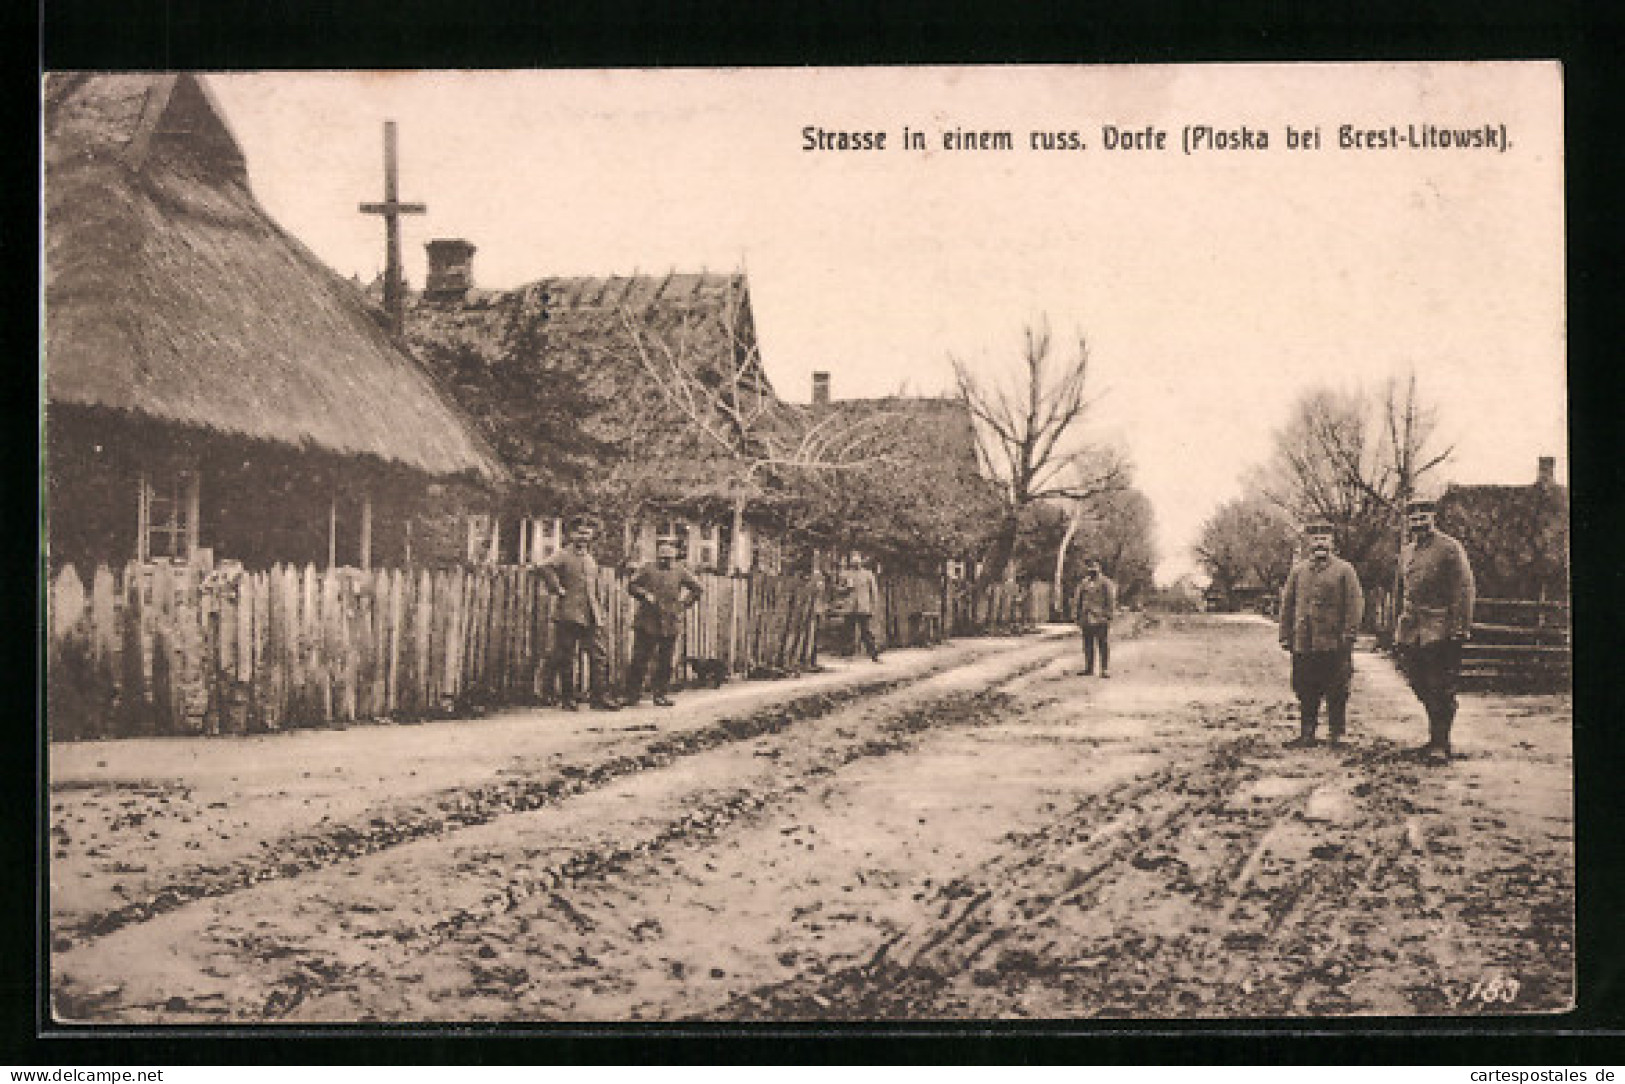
{"x":177,"y":309}
{"x":551,"y":372}
{"x":926,"y":501}
{"x":1517,"y":536}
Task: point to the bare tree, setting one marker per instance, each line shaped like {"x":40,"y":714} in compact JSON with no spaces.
{"x":1116,"y":528}
{"x":1353,"y":460}
{"x":1028,"y":433}
{"x":706,"y":367}
{"x":1247,"y":538}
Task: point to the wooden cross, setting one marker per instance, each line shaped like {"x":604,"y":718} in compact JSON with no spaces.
{"x":392,"y":209}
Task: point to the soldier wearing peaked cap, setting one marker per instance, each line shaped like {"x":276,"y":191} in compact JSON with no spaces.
{"x":1093,"y":605}
{"x":1435,"y":619}
{"x":1321,"y":608}
{"x":663,"y":591}
{"x":571,"y":576}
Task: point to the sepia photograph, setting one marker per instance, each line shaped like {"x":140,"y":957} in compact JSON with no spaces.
{"x":806,"y":545}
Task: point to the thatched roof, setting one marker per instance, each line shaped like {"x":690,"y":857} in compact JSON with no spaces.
{"x":571,"y":335}
{"x":934,"y":431}
{"x":1517,"y":536}
{"x":171,"y":294}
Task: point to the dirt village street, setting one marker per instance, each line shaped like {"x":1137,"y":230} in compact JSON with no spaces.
{"x":972,"y":831}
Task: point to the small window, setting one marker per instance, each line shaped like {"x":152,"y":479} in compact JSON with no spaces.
{"x":706,"y":548}
{"x":543,"y":537}
{"x":167,"y":516}
{"x":483,"y":539}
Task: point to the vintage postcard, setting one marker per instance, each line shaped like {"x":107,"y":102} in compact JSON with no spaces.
{"x":938,"y":543}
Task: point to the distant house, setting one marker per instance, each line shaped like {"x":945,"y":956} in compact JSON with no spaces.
{"x":1247,"y":593}
{"x":549,"y":372}
{"x":211,"y":388}
{"x":1517,"y":536}
{"x":927,"y":505}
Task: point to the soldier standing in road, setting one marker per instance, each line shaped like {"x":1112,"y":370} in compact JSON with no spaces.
{"x":1435,"y":619}
{"x":860,"y":591}
{"x":1094,"y":604}
{"x":571,"y":576}
{"x":663,"y":591}
{"x":1321,"y":608}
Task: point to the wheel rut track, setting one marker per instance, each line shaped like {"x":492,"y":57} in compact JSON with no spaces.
{"x":896,"y":731}
{"x":449,"y":810}
{"x":1281,"y":926}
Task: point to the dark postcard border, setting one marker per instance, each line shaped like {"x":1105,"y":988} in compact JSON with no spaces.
{"x":237,"y":34}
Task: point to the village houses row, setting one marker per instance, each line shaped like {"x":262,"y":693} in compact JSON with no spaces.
{"x":215,"y":393}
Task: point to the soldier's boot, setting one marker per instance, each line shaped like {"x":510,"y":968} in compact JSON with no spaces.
{"x":1439,"y":724}
{"x":1309,"y":719}
{"x":1336,"y":720}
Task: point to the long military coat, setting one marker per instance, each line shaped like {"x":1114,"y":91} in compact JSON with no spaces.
{"x":1321,"y":606}
{"x":659,"y":592}
{"x":1095,"y":601}
{"x":576,"y":575}
{"x":1437,"y":581}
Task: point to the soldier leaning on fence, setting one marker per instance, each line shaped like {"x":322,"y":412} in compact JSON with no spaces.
{"x":1094,"y":604}
{"x":1435,"y":619}
{"x":572,"y":578}
{"x":860,"y":592}
{"x":663,"y":591}
{"x":1321,"y":607}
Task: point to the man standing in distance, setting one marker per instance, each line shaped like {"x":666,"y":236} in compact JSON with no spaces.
{"x":1435,"y":619}
{"x":663,"y":591}
{"x":571,"y":576}
{"x":1095,"y":604}
{"x":861,"y":592}
{"x":1321,"y":608}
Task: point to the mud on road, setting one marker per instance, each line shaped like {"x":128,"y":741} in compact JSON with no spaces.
{"x":993,"y":839}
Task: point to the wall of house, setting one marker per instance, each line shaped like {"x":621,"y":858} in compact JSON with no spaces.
{"x":1517,"y":538}
{"x":258,"y":504}
{"x":90,"y":492}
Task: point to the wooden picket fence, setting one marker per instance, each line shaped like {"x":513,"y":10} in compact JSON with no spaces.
{"x":996,"y":608}
{"x":1517,"y":645}
{"x":172,"y":649}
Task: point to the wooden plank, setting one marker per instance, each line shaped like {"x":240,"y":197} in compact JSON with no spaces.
{"x":1519,"y":604}
{"x":268,"y":665}
{"x":1525,"y":630}
{"x":1473,"y":650}
{"x":327,"y":665}
{"x":260,"y":648}
{"x":422,"y":633}
{"x":442,"y":633}
{"x":394,"y":617}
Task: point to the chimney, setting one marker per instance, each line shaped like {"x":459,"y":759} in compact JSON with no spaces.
{"x":1546,"y":473}
{"x":451,"y":269}
{"x":820,"y":388}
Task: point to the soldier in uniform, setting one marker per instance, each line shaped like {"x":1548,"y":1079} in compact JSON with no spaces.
{"x":1435,"y":619}
{"x":860,"y":592}
{"x":571,"y":576}
{"x":1094,"y":604}
{"x":1321,"y":608}
{"x":663,"y":591}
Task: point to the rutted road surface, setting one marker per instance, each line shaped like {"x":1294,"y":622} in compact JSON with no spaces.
{"x":976,"y":831}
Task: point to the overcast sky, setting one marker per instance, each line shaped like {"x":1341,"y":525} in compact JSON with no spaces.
{"x":1213,"y":288}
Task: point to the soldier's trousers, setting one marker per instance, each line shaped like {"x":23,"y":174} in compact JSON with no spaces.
{"x":1434,"y":670}
{"x":1097,"y":636}
{"x":570,"y":638}
{"x":1322,"y":675}
{"x":862,"y":634}
{"x":647,"y":647}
